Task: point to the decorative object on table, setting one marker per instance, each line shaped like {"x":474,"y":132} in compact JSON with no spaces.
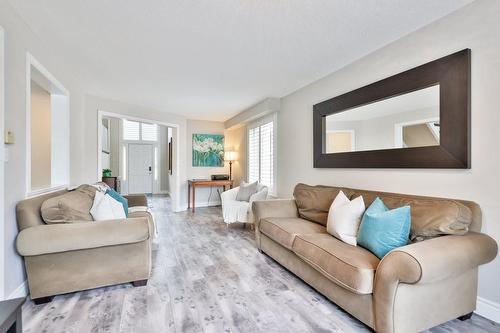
{"x":230,"y":156}
{"x":220,"y":177}
{"x":106,"y":172}
{"x":112,"y":182}
{"x":234,"y":210}
{"x":11,"y":315}
{"x":208,"y":150}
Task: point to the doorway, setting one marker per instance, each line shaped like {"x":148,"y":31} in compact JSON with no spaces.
{"x":140,"y":168}
{"x":115,"y":132}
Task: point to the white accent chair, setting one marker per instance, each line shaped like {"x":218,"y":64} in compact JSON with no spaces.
{"x":240,"y":211}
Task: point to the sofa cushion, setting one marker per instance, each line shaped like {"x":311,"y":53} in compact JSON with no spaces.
{"x":348,"y":266}
{"x":313,"y":202}
{"x":72,"y":206}
{"x":430,"y":217}
{"x":284,"y":229}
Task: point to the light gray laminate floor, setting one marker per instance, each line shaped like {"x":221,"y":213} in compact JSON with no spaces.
{"x":206,"y":278}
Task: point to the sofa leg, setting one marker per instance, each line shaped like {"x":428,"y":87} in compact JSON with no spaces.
{"x":465,"y":316}
{"x":140,"y":283}
{"x":260,"y":251}
{"x":43,"y":300}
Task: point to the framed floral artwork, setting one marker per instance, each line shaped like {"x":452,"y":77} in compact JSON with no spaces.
{"x":208,"y":150}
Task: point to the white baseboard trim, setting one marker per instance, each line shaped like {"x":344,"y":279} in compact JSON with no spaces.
{"x":21,"y":291}
{"x":488,"y":309}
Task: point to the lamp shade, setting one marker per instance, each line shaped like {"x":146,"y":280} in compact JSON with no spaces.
{"x":230,"y":156}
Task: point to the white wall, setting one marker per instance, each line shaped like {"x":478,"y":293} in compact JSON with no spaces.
{"x":203,"y":194}
{"x":19,"y":39}
{"x":475,"y":26}
{"x":40,"y":138}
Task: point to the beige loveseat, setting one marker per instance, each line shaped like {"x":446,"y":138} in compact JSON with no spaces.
{"x":67,"y":257}
{"x":412,"y":288}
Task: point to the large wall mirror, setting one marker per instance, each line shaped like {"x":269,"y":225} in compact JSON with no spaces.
{"x":416,"y":119}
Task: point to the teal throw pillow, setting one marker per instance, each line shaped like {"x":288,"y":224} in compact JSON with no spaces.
{"x":115,"y":195}
{"x":383,"y":230}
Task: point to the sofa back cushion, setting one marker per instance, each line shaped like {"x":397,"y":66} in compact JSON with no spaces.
{"x":313,"y":202}
{"x":430,"y":217}
{"x":72,"y":206}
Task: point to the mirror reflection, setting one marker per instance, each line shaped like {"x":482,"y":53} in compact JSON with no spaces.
{"x":403,"y":121}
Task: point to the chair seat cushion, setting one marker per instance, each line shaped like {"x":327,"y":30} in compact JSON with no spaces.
{"x":284,"y":229}
{"x":349,"y":266}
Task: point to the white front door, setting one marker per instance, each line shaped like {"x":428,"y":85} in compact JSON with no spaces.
{"x":140,"y":168}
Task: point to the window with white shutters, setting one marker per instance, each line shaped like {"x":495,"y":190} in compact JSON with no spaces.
{"x":137,"y":131}
{"x":149,"y":132}
{"x":261,"y":153}
{"x":253,"y":154}
{"x":131,"y":130}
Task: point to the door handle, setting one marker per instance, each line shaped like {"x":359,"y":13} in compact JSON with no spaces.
{"x":149,"y":169}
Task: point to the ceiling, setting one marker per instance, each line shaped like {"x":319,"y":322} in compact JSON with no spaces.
{"x":210,"y":59}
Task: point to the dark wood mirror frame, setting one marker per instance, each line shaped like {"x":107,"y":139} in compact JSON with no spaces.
{"x":452,"y":73}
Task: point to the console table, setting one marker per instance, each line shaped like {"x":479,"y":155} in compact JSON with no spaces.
{"x":10,"y":316}
{"x":194,"y":183}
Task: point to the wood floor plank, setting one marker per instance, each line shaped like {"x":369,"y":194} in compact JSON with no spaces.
{"x":207,"y":278}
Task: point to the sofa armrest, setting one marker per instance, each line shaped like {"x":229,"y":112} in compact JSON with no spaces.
{"x":259,"y":196}
{"x":54,"y":238}
{"x":426,"y":262}
{"x":229,"y":195}
{"x":136,"y":200}
{"x":272,"y":208}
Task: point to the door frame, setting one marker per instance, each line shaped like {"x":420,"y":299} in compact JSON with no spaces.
{"x":175,"y":194}
{"x":2,"y":162}
{"x":152,"y":164}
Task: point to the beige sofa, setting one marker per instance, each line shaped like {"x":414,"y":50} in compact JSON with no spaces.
{"x":67,"y":257}
{"x":412,"y":288}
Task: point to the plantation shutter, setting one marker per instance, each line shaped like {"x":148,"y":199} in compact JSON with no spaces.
{"x":261,"y":154}
{"x":149,"y":132}
{"x":266,"y":154}
{"x":130,"y":130}
{"x":253,"y":154}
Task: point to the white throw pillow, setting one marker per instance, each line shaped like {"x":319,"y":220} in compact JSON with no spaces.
{"x":106,"y":207}
{"x":344,"y":218}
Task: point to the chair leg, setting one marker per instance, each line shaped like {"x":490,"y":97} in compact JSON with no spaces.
{"x":465,"y":317}
{"x":139,"y":283}
{"x":43,"y":300}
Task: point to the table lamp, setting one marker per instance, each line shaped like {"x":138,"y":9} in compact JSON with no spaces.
{"x":230,"y":156}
